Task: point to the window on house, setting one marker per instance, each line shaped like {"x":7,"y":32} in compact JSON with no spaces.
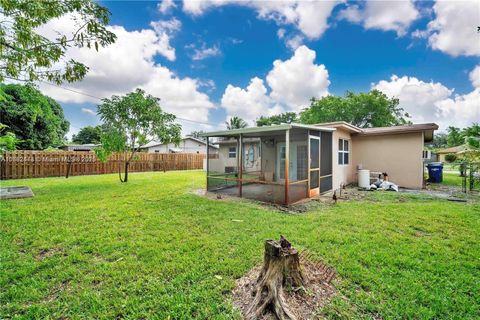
{"x":232,"y":152}
{"x":343,"y":151}
{"x":157,"y":151}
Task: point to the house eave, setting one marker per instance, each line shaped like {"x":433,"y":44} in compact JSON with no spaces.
{"x":263,"y":129}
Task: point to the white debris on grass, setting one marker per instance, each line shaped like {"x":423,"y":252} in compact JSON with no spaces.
{"x":384,"y":185}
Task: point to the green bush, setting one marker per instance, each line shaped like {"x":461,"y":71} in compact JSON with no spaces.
{"x":450,"y":157}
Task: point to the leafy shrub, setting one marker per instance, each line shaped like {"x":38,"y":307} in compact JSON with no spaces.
{"x":450,"y":157}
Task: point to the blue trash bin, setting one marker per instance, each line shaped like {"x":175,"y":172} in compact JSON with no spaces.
{"x":435,"y":172}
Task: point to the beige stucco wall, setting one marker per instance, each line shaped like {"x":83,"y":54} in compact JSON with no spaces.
{"x":342,"y":174}
{"x":399,"y":155}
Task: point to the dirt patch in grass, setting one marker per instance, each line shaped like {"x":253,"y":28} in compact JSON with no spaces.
{"x":305,"y":303}
{"x":303,"y":206}
{"x":46,"y":253}
{"x":56,"y":291}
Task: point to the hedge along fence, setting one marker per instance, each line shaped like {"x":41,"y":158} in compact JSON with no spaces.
{"x":38,"y":164}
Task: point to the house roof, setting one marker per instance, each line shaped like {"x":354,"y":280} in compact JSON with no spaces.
{"x":340,"y":124}
{"x":426,"y":128}
{"x":252,"y":131}
{"x":380,"y":130}
{"x":452,"y":149}
{"x":86,"y":146}
{"x":157,"y":143}
{"x":400,"y":129}
{"x":81,"y":145}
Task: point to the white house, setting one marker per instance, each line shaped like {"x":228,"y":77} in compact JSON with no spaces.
{"x":187,"y":145}
{"x":79,"y":147}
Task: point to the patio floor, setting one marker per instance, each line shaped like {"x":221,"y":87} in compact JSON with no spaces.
{"x":274,"y":193}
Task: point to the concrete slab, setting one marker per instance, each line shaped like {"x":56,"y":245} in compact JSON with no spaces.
{"x":15,"y":192}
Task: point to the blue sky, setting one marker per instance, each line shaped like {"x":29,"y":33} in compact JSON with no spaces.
{"x":214,"y":59}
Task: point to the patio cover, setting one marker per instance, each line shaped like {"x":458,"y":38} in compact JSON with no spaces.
{"x":259,"y":131}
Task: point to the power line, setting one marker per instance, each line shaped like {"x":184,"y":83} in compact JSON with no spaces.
{"x":71,"y":90}
{"x":95,"y":97}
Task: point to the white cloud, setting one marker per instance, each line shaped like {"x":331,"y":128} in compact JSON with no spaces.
{"x":417,"y":97}
{"x":209,"y":84}
{"x":432,"y":101}
{"x":249,"y":103}
{"x":158,"y":37}
{"x":130,"y":63}
{"x":165,"y":30}
{"x":461,"y":110}
{"x":383,"y":15}
{"x":296,"y":80}
{"x":204,"y":52}
{"x":281,"y":33}
{"x":310,"y":17}
{"x":115,"y":69}
{"x":475,"y":76}
{"x":235,"y":40}
{"x":292,"y":83}
{"x":89,"y":111}
{"x":166,"y":5}
{"x":294,"y":42}
{"x":454,"y":29}
{"x":420,"y":34}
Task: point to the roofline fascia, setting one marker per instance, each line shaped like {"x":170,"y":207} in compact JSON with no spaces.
{"x":280,"y":127}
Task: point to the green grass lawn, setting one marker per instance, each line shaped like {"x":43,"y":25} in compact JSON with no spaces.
{"x":93,"y":248}
{"x":452,"y":179}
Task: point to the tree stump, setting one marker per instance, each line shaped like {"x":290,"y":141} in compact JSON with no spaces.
{"x":281,"y":269}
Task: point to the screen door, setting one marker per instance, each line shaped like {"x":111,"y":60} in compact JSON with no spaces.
{"x":314,"y":168}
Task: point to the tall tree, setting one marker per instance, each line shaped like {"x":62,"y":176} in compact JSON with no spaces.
{"x":132,"y":121}
{"x":236,"y":123}
{"x":472,"y":131}
{"x":472,"y":141}
{"x":371,"y":109}
{"x":440,"y":140}
{"x":88,"y":134}
{"x":196,"y":134}
{"x":8,"y":140}
{"x":35,"y":119}
{"x":27,"y":55}
{"x":286,"y":117}
{"x":455,"y":137}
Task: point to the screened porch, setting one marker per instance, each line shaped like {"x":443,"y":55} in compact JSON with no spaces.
{"x":281,"y":164}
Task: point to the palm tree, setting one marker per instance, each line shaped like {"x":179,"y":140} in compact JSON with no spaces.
{"x":236,"y":123}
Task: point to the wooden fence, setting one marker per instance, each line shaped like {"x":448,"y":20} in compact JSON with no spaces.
{"x":37,"y":164}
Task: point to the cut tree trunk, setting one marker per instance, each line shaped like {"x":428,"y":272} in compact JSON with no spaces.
{"x":281,"y":269}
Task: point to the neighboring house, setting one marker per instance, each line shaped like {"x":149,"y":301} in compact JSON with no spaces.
{"x":458,"y":151}
{"x":429,"y":156}
{"x":187,"y":145}
{"x":79,"y":147}
{"x":295,"y":161}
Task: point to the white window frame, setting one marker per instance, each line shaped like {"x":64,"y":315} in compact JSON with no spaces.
{"x":232,"y":152}
{"x":342,"y":152}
